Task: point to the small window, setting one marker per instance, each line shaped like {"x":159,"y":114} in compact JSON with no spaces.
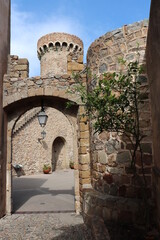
{"x":40,"y":50}
{"x":76,"y":48}
{"x":51,"y":45}
{"x":45,"y":47}
{"x":64,"y":45}
{"x":57,"y":44}
{"x":70,"y":46}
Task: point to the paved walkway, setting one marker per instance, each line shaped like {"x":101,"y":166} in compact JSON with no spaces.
{"x":44,"y":193}
{"x":57,"y":226}
{"x":36,"y":201}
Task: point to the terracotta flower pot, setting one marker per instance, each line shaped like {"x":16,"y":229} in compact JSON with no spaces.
{"x":46,"y":171}
{"x":71,"y":165}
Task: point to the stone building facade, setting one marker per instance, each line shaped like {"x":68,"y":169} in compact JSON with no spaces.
{"x":68,"y":132}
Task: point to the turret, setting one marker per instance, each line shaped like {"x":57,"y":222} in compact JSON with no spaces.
{"x":60,"y":53}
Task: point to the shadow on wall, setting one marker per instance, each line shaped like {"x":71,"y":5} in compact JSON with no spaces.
{"x":58,"y":154}
{"x":44,"y":144}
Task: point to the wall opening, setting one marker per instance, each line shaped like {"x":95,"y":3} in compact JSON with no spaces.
{"x":64,"y":45}
{"x":63,"y":131}
{"x":59,"y":154}
{"x":31,"y":189}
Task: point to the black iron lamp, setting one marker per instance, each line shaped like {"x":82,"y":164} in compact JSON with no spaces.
{"x":42,"y":117}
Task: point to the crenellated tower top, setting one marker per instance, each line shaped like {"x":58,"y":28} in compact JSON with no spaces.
{"x":60,"y":53}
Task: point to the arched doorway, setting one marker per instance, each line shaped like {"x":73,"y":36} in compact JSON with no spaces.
{"x":81,"y":155}
{"x":17,"y":110}
{"x":59,"y":154}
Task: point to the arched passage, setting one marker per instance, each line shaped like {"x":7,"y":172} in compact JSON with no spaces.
{"x":18,"y":109}
{"x":32,"y":154}
{"x":81,"y":158}
{"x":59,"y":154}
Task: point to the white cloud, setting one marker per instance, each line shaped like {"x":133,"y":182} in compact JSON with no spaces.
{"x":26,"y":30}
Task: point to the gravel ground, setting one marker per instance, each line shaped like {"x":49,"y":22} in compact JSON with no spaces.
{"x":48,"y":226}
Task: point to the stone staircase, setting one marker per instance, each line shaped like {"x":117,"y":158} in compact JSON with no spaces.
{"x":26,"y":118}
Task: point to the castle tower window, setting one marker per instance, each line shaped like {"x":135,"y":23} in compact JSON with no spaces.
{"x":50,"y":45}
{"x":64,"y":45}
{"x":70,"y":46}
{"x":57,"y":45}
{"x":76,"y":48}
{"x":45,"y":48}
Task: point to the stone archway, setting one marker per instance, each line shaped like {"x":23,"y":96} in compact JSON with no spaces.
{"x":59,"y":154}
{"x":81,"y":139}
{"x":14,"y":113}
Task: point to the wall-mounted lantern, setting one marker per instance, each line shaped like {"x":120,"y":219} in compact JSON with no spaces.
{"x":43,"y":134}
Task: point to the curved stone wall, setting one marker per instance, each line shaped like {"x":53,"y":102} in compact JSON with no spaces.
{"x":104,"y":53}
{"x":110,"y":156}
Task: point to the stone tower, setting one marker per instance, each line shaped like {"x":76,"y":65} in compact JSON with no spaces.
{"x":60,"y":53}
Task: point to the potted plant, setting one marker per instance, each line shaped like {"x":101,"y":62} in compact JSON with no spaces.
{"x":46,"y":168}
{"x":71,"y":164}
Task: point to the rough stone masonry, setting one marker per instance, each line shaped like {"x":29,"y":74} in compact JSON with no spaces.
{"x":95,"y":156}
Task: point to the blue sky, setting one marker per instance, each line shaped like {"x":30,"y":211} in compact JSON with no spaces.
{"x":88,"y":19}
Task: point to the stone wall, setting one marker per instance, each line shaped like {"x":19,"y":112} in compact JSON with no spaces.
{"x":153,"y":70}
{"x":110,"y":156}
{"x":29,"y":150}
{"x":16,"y":86}
{"x":18,"y":67}
{"x":4,"y":51}
{"x":60,"y":53}
{"x":104,"y":53}
{"x":84,"y":154}
{"x":112,"y":209}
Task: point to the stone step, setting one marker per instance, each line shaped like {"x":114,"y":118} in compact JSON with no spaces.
{"x":26,"y":118}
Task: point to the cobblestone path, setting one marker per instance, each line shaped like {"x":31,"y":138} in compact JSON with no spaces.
{"x":57,"y":226}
